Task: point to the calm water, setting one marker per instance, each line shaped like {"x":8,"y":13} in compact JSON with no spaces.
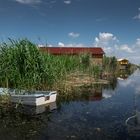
{"x":95,"y":114}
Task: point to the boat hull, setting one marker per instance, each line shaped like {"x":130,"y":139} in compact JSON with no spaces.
{"x":35,"y":99}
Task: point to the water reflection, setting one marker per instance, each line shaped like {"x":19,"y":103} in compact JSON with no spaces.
{"x":35,"y":110}
{"x":102,"y":120}
{"x":124,"y":74}
{"x":23,"y":122}
{"x":94,"y":92}
{"x":97,"y":111}
{"x":133,"y":122}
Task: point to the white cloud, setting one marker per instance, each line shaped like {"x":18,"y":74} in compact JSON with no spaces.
{"x":74,"y":35}
{"x":113,"y":47}
{"x":138,"y":42}
{"x":135,"y":59}
{"x":75,"y":45}
{"x":106,"y":36}
{"x":28,"y":1}
{"x":41,"y":45}
{"x":105,"y":39}
{"x":50,"y":45}
{"x":60,"y":44}
{"x":126,"y":48}
{"x":138,"y":15}
{"x":67,"y":1}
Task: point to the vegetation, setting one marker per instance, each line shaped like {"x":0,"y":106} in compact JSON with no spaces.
{"x":22,"y":119}
{"x":109,"y":64}
{"x":23,"y":66}
{"x":20,"y":64}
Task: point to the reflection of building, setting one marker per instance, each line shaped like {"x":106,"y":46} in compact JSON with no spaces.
{"x":95,"y":95}
{"x":123,"y":63}
{"x":96,"y":53}
{"x":99,"y":94}
{"x":122,"y":76}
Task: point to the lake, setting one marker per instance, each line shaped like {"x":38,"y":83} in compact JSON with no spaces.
{"x":98,"y":113}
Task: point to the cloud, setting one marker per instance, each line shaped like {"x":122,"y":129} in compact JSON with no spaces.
{"x":138,"y":42}
{"x":105,"y":39}
{"x":50,"y":45}
{"x":41,"y":45}
{"x":126,"y":48}
{"x":112,"y":47}
{"x":61,"y":44}
{"x":67,"y":1}
{"x":28,"y":1}
{"x":138,"y":15}
{"x":74,"y":35}
{"x":106,"y":36}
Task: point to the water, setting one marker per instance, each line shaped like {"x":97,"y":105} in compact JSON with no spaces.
{"x":93,"y":114}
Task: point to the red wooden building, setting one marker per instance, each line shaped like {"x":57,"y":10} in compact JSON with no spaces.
{"x":96,"y":53}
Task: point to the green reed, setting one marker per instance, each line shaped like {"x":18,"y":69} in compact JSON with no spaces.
{"x":23,"y":66}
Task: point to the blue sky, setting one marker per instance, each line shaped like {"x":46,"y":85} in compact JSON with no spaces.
{"x":111,"y":24}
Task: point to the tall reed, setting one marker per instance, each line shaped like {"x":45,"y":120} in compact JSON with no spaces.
{"x":22,"y":65}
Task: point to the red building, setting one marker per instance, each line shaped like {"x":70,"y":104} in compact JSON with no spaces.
{"x":96,"y":53}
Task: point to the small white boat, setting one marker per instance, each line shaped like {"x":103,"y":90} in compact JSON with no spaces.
{"x":35,"y":98}
{"x":3,"y":91}
{"x":119,"y":78}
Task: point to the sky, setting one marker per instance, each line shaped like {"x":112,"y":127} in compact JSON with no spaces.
{"x":113,"y":25}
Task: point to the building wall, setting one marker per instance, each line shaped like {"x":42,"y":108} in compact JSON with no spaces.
{"x":97,"y":53}
{"x":123,"y":62}
{"x":122,"y":67}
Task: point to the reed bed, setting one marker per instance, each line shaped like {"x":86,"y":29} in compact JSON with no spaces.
{"x":23,"y":66}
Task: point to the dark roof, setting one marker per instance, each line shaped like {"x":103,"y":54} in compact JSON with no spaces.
{"x":72,"y":50}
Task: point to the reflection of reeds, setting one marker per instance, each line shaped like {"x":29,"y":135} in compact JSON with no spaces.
{"x":23,"y":66}
{"x":25,"y":126}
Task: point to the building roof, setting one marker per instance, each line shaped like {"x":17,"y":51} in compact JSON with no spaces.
{"x":121,"y":59}
{"x":72,"y":50}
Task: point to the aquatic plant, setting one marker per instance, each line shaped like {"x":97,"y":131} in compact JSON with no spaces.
{"x":23,"y":66}
{"x":109,"y":64}
{"x":20,"y":64}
